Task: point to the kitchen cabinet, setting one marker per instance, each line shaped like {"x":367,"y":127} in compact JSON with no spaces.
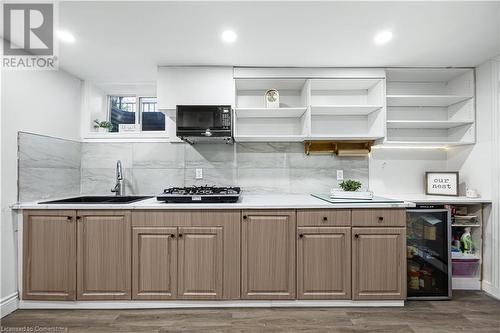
{"x":154,"y":263}
{"x":379,"y":217}
{"x":200,"y":262}
{"x":198,"y":85}
{"x":378,"y":263}
{"x":268,"y":254}
{"x":324,"y":263}
{"x":205,"y":254}
{"x":49,"y":255}
{"x":103,"y":255}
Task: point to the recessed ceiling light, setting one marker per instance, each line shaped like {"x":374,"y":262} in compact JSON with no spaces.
{"x":65,"y":36}
{"x":383,"y":37}
{"x":229,"y":36}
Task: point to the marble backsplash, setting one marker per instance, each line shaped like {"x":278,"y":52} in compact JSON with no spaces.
{"x":256,"y":167}
{"x":51,"y":167}
{"x":47,"y":167}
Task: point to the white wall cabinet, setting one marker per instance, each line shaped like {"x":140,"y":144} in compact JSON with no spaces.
{"x":413,"y":106}
{"x":311,"y":109}
{"x":430,"y":106}
{"x":194,"y":85}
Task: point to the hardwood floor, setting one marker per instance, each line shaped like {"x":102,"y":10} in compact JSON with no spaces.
{"x":468,"y":312}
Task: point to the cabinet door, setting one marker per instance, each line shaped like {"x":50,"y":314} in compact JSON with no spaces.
{"x":154,"y":263}
{"x":49,"y":255}
{"x":194,"y":85}
{"x":104,"y":255}
{"x":378,"y":263}
{"x":268,"y":255}
{"x":200,"y":263}
{"x":324,"y":263}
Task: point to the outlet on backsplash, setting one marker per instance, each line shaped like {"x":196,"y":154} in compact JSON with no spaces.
{"x":340,"y":174}
{"x":199,"y":174}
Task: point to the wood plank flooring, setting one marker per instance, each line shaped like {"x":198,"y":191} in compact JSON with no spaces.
{"x":468,"y":312}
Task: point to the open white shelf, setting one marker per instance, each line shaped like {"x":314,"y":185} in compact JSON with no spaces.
{"x":425,"y":100}
{"x":425,"y":143}
{"x":343,"y":137}
{"x":425,"y":124}
{"x":269,"y":138}
{"x":295,"y":112}
{"x":343,"y":110}
{"x":430,"y":106}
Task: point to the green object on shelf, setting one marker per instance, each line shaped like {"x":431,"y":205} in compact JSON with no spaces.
{"x":466,"y":240}
{"x":350,"y":185}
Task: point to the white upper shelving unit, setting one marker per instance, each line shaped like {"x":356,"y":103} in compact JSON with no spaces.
{"x":428,"y":106}
{"x":316,"y":108}
{"x":410,"y":106}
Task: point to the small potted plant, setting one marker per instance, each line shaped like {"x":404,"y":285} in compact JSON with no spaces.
{"x":349,"y":190}
{"x":103,"y":126}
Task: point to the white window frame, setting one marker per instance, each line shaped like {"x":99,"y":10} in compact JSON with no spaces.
{"x":138,"y":118}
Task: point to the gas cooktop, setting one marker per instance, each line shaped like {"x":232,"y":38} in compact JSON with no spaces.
{"x":200,"y":194}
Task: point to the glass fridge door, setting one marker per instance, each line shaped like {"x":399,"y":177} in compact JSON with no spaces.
{"x":428,"y":253}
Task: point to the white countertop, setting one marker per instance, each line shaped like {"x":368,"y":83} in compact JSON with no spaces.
{"x":437,"y":199}
{"x":247,"y":201}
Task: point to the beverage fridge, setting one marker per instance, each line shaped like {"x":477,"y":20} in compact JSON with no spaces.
{"x":428,"y":253}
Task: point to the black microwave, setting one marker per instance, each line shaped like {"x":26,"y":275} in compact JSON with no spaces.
{"x":203,"y":122}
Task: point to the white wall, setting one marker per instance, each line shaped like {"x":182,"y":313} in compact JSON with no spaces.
{"x":480,"y":169}
{"x":401,"y":171}
{"x":94,"y":106}
{"x":43,"y":102}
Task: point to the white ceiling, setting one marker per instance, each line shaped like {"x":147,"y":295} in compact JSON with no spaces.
{"x":123,"y":42}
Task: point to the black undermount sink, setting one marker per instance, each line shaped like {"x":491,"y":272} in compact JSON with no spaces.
{"x":99,"y":200}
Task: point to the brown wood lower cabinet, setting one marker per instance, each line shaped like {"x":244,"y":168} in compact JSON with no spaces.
{"x":104,"y":255}
{"x":190,"y":254}
{"x":49,"y":251}
{"x":198,"y":254}
{"x":324,"y":263}
{"x":154,"y":263}
{"x":268,"y":254}
{"x":378,"y":263}
{"x":200,"y":262}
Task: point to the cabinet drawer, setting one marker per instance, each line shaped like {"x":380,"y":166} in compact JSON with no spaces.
{"x":378,"y":217}
{"x":323,"y":217}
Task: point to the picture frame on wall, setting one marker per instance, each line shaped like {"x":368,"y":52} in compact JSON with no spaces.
{"x":441,"y":183}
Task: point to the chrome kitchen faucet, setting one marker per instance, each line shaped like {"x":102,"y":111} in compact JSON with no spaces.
{"x":119,"y":189}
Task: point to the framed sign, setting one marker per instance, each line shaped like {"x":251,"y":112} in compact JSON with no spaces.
{"x":441,"y":183}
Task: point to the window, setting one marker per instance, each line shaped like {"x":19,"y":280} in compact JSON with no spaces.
{"x":122,"y":110}
{"x":138,"y":111}
{"x":152,"y":119}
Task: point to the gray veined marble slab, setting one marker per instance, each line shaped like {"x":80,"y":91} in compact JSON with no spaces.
{"x":266,"y":180}
{"x":100,"y":181}
{"x":38,"y":151}
{"x":104,"y":155}
{"x":212,"y":176}
{"x":209,"y":155}
{"x":158,"y":155}
{"x":154,"y":181}
{"x":46,"y":183}
{"x":261,"y":155}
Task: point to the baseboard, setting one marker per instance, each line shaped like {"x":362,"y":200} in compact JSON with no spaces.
{"x":491,"y":290}
{"x":202,"y":304}
{"x":463,"y":283}
{"x":9,"y":304}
